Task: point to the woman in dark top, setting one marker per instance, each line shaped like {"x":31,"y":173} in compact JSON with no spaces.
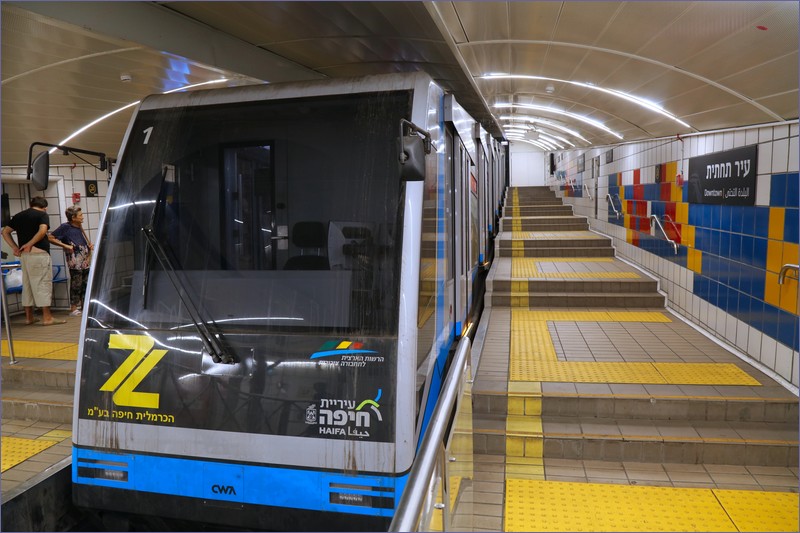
{"x":71,"y":233}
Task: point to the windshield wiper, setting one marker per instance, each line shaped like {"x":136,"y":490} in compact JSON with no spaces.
{"x":210,"y":342}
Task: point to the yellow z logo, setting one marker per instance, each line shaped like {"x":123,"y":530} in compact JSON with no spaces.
{"x":133,"y":370}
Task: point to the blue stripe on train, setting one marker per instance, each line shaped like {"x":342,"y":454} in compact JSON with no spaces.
{"x":247,"y":484}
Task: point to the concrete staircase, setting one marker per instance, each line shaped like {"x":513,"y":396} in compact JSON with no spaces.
{"x":611,"y":421}
{"x":38,"y":389}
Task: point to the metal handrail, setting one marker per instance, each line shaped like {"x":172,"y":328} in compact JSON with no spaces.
{"x":409,"y":509}
{"x":588,"y":192}
{"x":674,"y":226}
{"x":658,"y":223}
{"x":610,"y":200}
{"x":10,"y":340}
{"x":785,"y":270}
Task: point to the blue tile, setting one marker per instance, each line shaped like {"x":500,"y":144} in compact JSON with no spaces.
{"x":771,"y":320}
{"x":706,"y":216}
{"x":791,"y":225}
{"x":724,"y":243}
{"x":757,"y":288}
{"x":747,"y":250}
{"x":714,"y":211}
{"x":736,"y":275}
{"x":657,"y":208}
{"x":685,"y":194}
{"x":761,"y":228}
{"x":701,"y":286}
{"x":695,"y":215}
{"x":748,"y":220}
{"x":760,"y":253}
{"x":713,"y":292}
{"x":736,"y":247}
{"x":743,"y":313}
{"x":787,"y":329}
{"x":725,"y":213}
{"x":756,"y":314}
{"x":733,"y":301}
{"x":792,"y":189}
{"x":777,"y":190}
{"x":737,"y":218}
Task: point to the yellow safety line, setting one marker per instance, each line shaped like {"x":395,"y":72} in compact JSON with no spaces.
{"x":527,"y":268}
{"x":533,"y":505}
{"x":62,"y":351}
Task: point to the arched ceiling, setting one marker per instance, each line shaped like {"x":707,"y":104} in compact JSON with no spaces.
{"x":566,"y":73}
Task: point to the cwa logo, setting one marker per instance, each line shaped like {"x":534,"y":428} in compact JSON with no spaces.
{"x":223,"y":489}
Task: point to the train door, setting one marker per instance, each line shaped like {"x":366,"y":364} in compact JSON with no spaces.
{"x":459,"y":242}
{"x":249,"y":183}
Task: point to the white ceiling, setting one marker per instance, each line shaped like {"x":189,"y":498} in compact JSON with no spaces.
{"x":711,"y":65}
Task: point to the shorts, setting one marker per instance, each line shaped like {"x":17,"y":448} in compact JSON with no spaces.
{"x":37,"y":279}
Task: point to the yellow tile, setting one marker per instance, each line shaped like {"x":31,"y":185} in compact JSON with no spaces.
{"x":776,"y":218}
{"x":523,"y":426}
{"x":534,"y":447}
{"x":17,"y":450}
{"x":515,"y":446}
{"x":704,"y":374}
{"x":682,"y":213}
{"x":687,"y":236}
{"x":791,"y":254}
{"x":760,"y":511}
{"x":774,"y":256}
{"x":627,"y":224}
{"x":676,"y":192}
{"x":672,"y":169}
{"x":60,"y":351}
{"x":772,"y":291}
{"x":516,"y":406}
{"x":534,"y":505}
{"x":533,"y":406}
{"x":621,"y":188}
{"x":525,"y":388}
{"x":57,"y":434}
{"x":789,"y":295}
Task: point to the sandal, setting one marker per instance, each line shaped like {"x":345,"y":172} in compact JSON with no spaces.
{"x":54,"y":322}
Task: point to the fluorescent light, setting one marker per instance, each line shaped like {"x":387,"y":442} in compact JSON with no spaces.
{"x":546,"y":109}
{"x":613,"y":92}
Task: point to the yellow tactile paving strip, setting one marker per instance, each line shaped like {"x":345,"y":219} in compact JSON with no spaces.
{"x":518,"y":236}
{"x":760,"y":511}
{"x":17,"y":450}
{"x":533,"y":357}
{"x":533,"y":505}
{"x":62,"y":351}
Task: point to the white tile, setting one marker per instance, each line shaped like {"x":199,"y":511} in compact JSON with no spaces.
{"x":780,"y":132}
{"x":795,"y":368}
{"x":794,"y":129}
{"x":742,"y":331}
{"x":751,"y":137}
{"x":720,"y":322}
{"x":727,"y":140}
{"x":719,"y":142}
{"x":93,"y":205}
{"x":780,"y":155}
{"x":768,"y":350}
{"x":763,"y":186}
{"x":765,"y":134}
{"x":765,"y":158}
{"x":731,"y":325}
{"x":740,"y":138}
{"x":754,"y":344}
{"x":794,"y":154}
{"x":783,"y":362}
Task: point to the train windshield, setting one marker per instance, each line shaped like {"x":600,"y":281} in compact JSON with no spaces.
{"x":269,"y":216}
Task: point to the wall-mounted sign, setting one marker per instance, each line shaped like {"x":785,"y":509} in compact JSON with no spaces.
{"x":91,"y":188}
{"x":727,"y":177}
{"x":609,"y":156}
{"x":581,"y":162}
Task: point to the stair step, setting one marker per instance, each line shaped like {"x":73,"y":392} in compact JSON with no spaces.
{"x":640,"y":407}
{"x":51,"y":378}
{"x":537,"y":244}
{"x":582,"y":299}
{"x":558,"y":252}
{"x":541,"y":211}
{"x":556,"y":285}
{"x":27,"y":402}
{"x":693,"y":442}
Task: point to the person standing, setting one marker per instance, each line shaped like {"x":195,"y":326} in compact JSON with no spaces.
{"x":34,"y":257}
{"x":71,"y":233}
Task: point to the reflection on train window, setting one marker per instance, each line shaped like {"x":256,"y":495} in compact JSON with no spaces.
{"x":280,"y":215}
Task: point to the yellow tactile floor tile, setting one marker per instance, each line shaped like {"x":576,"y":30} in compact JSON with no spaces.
{"x":590,"y":316}
{"x":531,"y":341}
{"x":524,"y":425}
{"x":17,"y":450}
{"x":553,"y":235}
{"x":704,"y":374}
{"x":533,"y":505}
{"x":760,"y":511}
{"x":62,"y":351}
{"x":57,"y":435}
{"x":588,"y":275}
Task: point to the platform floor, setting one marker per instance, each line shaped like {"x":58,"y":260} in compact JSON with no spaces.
{"x":29,"y":447}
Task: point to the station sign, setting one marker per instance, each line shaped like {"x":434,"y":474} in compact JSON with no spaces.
{"x":727,"y":178}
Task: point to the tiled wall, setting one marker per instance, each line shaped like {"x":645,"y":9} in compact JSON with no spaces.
{"x":64,"y":181}
{"x":724,"y":277}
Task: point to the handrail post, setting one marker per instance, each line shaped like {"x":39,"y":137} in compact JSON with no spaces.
{"x":785,"y":270}
{"x":13,"y":360}
{"x":658,"y":224}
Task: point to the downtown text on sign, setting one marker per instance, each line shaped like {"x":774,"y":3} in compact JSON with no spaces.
{"x":727,"y":178}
